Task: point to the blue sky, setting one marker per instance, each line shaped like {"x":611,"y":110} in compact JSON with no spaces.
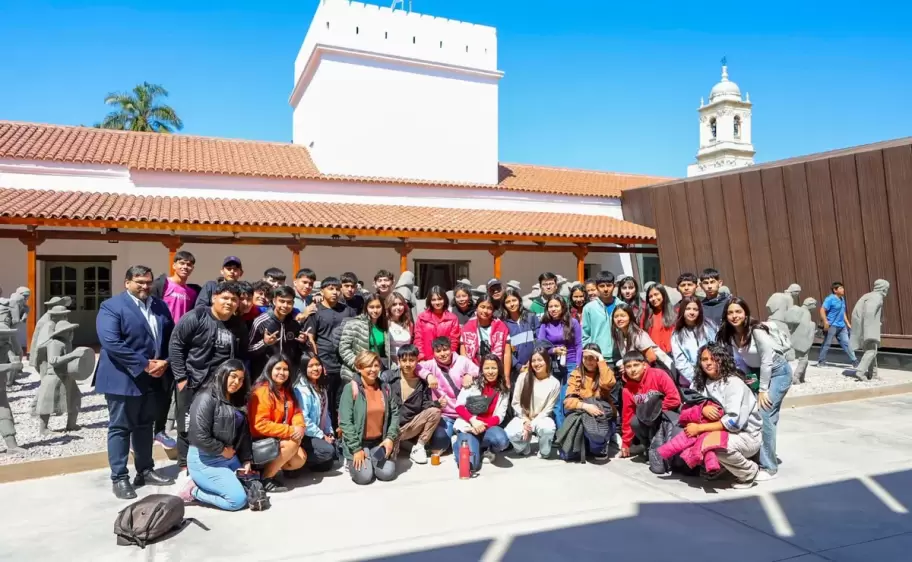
{"x":588,"y":84}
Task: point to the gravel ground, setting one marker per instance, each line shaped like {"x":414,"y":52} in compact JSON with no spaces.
{"x":93,"y":418}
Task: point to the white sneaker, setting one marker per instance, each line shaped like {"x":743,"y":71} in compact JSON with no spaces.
{"x":744,"y":485}
{"x":488,"y":457}
{"x":183,"y":479}
{"x":764,"y":476}
{"x":418,"y":454}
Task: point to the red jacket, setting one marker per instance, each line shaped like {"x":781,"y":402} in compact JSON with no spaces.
{"x":653,"y":379}
{"x":429,"y":326}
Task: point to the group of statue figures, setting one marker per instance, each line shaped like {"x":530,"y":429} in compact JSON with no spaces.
{"x":51,"y":353}
{"x":800,"y":322}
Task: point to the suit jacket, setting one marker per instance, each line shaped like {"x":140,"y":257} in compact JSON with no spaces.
{"x":127,"y":345}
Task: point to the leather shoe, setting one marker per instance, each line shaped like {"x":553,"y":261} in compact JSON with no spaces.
{"x":123,"y":490}
{"x":151,"y":478}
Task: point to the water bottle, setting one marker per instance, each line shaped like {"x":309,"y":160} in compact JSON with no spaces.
{"x":465,"y":461}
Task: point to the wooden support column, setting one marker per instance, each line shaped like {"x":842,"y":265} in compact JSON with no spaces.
{"x":295,"y":257}
{"x":581,"y":254}
{"x":404,"y":252}
{"x":173,"y":244}
{"x":498,"y":252}
{"x":32,"y":241}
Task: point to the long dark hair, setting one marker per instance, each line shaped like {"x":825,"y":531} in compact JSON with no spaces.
{"x":564,"y":319}
{"x":462,"y":287}
{"x":525,"y":398}
{"x":501,"y":384}
{"x":266,"y":375}
{"x":582,"y":367}
{"x":302,"y":372}
{"x":727,"y":332}
{"x":637,"y":301}
{"x":668,"y":316}
{"x":581,"y":288}
{"x":681,"y":323}
{"x":382,"y":322}
{"x":437,"y":291}
{"x":633,"y":331}
{"x":523,"y":313}
{"x":406,"y":321}
{"x":220,"y":383}
{"x":723,"y":358}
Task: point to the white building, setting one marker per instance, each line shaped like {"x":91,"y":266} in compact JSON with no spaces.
{"x":725,"y":130}
{"x":394,"y":160}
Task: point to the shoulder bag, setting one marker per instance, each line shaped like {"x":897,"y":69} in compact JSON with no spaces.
{"x":267,"y":450}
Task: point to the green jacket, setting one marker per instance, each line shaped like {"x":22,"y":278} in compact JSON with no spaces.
{"x":597,"y":326}
{"x":353,"y":416}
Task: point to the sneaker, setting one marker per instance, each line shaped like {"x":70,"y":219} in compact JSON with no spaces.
{"x":823,"y":364}
{"x":273,"y":486}
{"x":186,"y":493}
{"x":764,"y":476}
{"x":602,"y":455}
{"x":744,"y":485}
{"x":525,"y":452}
{"x":165,"y":440}
{"x":418,"y":454}
{"x":488,"y":457}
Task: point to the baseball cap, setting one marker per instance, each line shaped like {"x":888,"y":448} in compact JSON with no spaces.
{"x":232,"y":259}
{"x":494,"y":281}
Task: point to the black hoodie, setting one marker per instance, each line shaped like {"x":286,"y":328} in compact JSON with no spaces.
{"x":201,"y":342}
{"x":417,"y":402}
{"x":288,"y":329}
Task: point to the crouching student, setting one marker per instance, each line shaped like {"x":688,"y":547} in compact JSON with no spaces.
{"x":481,"y":408}
{"x":446,"y":374}
{"x":592,"y":383}
{"x":274,"y":414}
{"x":640,"y":380}
{"x":419,"y":414}
{"x":717,"y":377}
{"x":534,"y":399}
{"x":311,"y":393}
{"x":369,"y":418}
{"x":219,"y":440}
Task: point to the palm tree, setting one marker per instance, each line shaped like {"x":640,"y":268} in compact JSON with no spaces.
{"x":138,"y":111}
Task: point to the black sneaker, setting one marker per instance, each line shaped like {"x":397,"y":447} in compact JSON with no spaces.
{"x":273,"y":486}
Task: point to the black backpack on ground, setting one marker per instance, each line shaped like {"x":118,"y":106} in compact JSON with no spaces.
{"x":150,"y":519}
{"x":257,"y":499}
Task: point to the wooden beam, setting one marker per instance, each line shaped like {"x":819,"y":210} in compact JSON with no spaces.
{"x":31,"y":241}
{"x":173,"y":244}
{"x":581,"y":252}
{"x":163,"y":238}
{"x":404,"y":250}
{"x":295,"y":257}
{"x":497,"y":251}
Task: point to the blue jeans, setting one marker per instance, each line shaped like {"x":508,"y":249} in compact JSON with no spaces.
{"x":564,"y":376}
{"x":780,"y":382}
{"x":841,"y":335}
{"x":443,"y":435}
{"x":217,"y":483}
{"x":495,"y":438}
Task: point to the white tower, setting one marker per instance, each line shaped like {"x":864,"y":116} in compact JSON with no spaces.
{"x":396,"y":94}
{"x":725,"y":130}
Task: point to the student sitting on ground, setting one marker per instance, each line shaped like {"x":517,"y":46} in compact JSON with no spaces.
{"x":593,"y":380}
{"x":717,"y":377}
{"x":369,"y":418}
{"x":419,"y":413}
{"x":534,"y":399}
{"x":446,"y":374}
{"x":274,"y":414}
{"x":690,"y":334}
{"x":639,"y":380}
{"x":311,"y":393}
{"x":481,"y":408}
{"x":219,"y":440}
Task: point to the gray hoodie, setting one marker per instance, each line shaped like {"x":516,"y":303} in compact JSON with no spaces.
{"x":739,"y":403}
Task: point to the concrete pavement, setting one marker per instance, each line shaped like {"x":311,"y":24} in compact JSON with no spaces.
{"x":843,"y":494}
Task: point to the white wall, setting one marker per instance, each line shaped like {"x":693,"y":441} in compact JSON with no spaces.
{"x":393,"y":94}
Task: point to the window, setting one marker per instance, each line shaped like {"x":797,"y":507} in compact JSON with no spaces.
{"x":737,"y":126}
{"x":712,"y":127}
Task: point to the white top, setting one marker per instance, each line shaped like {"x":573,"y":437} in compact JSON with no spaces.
{"x":544,"y":397}
{"x":399,"y":336}
{"x":758,"y":354}
{"x":145,"y":308}
{"x":500,"y":409}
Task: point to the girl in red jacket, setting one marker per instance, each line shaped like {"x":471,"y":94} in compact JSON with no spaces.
{"x":640,"y":379}
{"x":436,"y":320}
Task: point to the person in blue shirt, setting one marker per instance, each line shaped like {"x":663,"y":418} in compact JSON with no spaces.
{"x":836,"y":324}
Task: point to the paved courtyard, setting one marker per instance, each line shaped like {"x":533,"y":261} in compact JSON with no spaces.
{"x":844,"y":493}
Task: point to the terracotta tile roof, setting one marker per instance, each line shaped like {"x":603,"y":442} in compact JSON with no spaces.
{"x":210,"y":155}
{"x":246,"y":214}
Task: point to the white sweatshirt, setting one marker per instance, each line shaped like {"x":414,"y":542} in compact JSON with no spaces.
{"x":544,"y":397}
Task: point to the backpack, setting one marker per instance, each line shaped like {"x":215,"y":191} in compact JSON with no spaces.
{"x":782,"y":342}
{"x":151,"y":518}
{"x":257,"y":500}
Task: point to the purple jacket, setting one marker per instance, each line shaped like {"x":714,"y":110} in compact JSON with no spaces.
{"x":458,"y":368}
{"x":554,"y":333}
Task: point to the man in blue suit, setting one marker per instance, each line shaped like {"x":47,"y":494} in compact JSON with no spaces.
{"x":134,"y":329}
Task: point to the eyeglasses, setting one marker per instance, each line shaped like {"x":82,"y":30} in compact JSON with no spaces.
{"x":141,"y":282}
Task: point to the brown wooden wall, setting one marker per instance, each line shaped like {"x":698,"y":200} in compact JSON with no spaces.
{"x":840,"y":216}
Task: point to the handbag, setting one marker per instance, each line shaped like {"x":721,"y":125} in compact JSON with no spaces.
{"x":267,"y":450}
{"x":478,"y":405}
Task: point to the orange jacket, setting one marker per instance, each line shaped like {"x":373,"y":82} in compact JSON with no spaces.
{"x":267,"y":413}
{"x":577,"y":391}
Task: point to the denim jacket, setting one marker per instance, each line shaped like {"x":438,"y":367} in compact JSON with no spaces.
{"x":316,"y":419}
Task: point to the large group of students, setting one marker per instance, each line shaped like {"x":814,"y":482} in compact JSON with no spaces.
{"x":275,"y":379}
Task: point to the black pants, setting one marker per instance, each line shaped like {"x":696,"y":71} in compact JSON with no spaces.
{"x":130,"y":418}
{"x":163,"y":404}
{"x":334,"y":393}
{"x":182,"y":401}
{"x":320,"y":454}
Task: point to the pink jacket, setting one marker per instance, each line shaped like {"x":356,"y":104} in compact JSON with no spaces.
{"x":696,"y":450}
{"x":500,"y":337}
{"x":428,"y":326}
{"x":458,"y":368}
